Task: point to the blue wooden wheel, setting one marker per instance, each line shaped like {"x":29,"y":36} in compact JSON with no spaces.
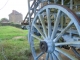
{"x":47,"y":44}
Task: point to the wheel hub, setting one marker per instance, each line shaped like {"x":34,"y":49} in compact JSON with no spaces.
{"x":47,"y":46}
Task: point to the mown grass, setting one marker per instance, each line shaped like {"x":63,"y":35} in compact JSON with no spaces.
{"x":12,"y":47}
{"x":8,"y":32}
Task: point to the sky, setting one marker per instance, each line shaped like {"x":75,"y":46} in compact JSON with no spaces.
{"x":18,"y":5}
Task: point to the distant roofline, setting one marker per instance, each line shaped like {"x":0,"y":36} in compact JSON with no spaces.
{"x":14,"y":12}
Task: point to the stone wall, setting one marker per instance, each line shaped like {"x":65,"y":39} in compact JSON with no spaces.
{"x":15,"y":17}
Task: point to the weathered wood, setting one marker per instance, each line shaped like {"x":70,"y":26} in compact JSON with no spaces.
{"x":59,"y":1}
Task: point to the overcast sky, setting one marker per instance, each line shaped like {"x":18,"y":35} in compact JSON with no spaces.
{"x":18,"y":5}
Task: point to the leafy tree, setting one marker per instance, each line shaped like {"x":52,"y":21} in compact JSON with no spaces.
{"x":4,"y":19}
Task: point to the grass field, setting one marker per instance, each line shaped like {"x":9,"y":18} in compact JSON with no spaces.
{"x":8,"y":32}
{"x":14,"y":44}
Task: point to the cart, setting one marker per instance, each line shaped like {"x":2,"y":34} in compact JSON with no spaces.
{"x":54,"y":27}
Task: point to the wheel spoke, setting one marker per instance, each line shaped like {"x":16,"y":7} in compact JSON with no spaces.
{"x":54,"y":56}
{"x":68,"y":43}
{"x":49,"y":22}
{"x":47,"y":56}
{"x":39,"y":30}
{"x":58,"y":55}
{"x":39,"y":55}
{"x":75,"y":51}
{"x":36,"y":37}
{"x":56,"y":24}
{"x":66,"y":53}
{"x":63,"y":31}
{"x":43,"y":24}
{"x":50,"y":56}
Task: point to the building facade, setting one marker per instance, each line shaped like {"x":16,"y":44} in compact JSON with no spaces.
{"x":15,"y":17}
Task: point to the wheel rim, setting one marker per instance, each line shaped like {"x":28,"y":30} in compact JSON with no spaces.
{"x":50,"y":37}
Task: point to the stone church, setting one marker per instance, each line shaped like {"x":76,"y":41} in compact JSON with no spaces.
{"x":15,"y":17}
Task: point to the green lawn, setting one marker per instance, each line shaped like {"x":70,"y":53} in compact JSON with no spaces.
{"x":8,"y":32}
{"x":14,"y":44}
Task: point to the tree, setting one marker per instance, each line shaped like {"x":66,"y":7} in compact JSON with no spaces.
{"x":4,"y":19}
